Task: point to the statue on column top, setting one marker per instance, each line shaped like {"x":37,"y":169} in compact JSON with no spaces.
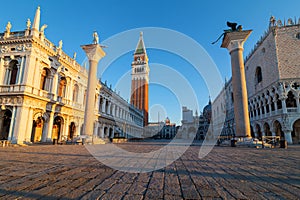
{"x":96,"y":37}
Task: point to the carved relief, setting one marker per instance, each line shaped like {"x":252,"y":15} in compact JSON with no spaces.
{"x":23,"y":47}
{"x":4,"y":49}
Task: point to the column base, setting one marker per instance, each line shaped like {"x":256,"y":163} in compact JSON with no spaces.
{"x":288,"y":137}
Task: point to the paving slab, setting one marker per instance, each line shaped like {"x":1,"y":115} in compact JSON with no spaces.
{"x":71,"y":172}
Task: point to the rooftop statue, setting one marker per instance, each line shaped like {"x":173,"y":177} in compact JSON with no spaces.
{"x":60,"y":43}
{"x":8,"y":27}
{"x":74,"y":55}
{"x":43,"y":28}
{"x":28,"y":24}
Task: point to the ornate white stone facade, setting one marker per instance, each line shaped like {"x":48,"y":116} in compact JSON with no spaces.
{"x":43,"y":93}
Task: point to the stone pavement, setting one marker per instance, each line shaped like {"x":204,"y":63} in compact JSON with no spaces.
{"x":70,"y":172}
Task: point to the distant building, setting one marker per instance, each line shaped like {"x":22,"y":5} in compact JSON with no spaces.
{"x":43,"y":92}
{"x":204,"y":122}
{"x":168,"y":131}
{"x":223,"y":113}
{"x":272,"y":72}
{"x":161,"y":130}
{"x":189,"y":124}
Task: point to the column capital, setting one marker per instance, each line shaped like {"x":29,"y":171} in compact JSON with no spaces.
{"x":235,"y":40}
{"x":94,"y":52}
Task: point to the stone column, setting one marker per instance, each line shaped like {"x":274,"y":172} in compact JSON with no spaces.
{"x":2,"y":70}
{"x":234,"y":42}
{"x":103,"y":105}
{"x":298,"y":104}
{"x":29,"y":125}
{"x":70,"y":89}
{"x":288,"y":136}
{"x":94,"y":53}
{"x":275,"y":105}
{"x":102,"y":131}
{"x":54,"y":85}
{"x":260,"y":111}
{"x":21,"y":70}
{"x":67,"y":126}
{"x":108,"y":109}
{"x":96,"y":129}
{"x":284,"y":109}
{"x":21,"y":119}
{"x":50,"y":125}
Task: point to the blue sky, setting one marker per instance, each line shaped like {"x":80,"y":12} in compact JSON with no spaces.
{"x":203,"y":21}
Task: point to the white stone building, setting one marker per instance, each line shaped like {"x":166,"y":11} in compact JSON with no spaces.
{"x":43,"y":90}
{"x":223,"y":112}
{"x":272,"y":72}
{"x":189,"y":124}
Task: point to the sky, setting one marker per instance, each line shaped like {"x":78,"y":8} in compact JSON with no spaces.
{"x":73,"y":22}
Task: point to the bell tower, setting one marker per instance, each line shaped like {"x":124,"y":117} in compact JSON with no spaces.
{"x":140,"y":79}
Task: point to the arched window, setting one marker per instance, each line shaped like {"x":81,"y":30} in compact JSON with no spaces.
{"x":106,"y":107}
{"x":262,"y":108}
{"x":44,"y":76}
{"x":258,"y":75}
{"x":267,"y":106}
{"x":75,"y":93}
{"x":279,"y":103}
{"x":291,"y":101}
{"x":13,"y":67}
{"x":100,"y":103}
{"x":62,"y":87}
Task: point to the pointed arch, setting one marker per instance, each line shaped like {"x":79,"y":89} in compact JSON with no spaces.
{"x":75,"y":92}
{"x":13,"y":68}
{"x":258,"y":75}
{"x":45,"y":79}
{"x":62,"y":87}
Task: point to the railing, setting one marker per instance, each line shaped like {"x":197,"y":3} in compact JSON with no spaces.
{"x":289,"y":110}
{"x":77,"y":105}
{"x":50,"y":44}
{"x":272,"y":113}
{"x":12,"y":88}
{"x":66,"y":57}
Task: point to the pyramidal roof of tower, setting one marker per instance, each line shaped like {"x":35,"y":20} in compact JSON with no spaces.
{"x":140,"y":48}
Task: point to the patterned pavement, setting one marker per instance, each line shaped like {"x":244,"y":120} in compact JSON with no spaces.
{"x":71,"y":172}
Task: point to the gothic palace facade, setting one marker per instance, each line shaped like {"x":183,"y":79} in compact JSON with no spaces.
{"x":42,"y":92}
{"x":272,"y":72}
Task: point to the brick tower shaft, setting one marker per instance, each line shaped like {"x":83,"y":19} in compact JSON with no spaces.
{"x":140,"y":79}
